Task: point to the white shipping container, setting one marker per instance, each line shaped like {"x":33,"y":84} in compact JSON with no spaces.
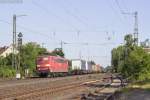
{"x":95,"y":68}
{"x":88,"y":66}
{"x":78,"y":64}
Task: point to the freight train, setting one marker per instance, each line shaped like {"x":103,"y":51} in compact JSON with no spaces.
{"x":55,"y":65}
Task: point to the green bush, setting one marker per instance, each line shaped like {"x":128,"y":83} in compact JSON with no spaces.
{"x":7,"y":72}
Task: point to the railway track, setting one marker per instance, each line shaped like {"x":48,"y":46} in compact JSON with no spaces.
{"x":23,"y":91}
{"x":32,"y":80}
{"x":33,"y":94}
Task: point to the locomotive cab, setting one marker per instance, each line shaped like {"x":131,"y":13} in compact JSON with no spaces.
{"x":51,"y":65}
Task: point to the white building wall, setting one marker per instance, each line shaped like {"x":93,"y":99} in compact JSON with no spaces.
{"x":8,"y":51}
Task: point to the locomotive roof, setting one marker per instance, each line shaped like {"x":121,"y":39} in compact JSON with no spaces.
{"x":77,"y":60}
{"x":52,"y":56}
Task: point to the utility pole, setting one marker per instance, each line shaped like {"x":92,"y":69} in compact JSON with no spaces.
{"x":135,"y":33}
{"x":61,"y":45}
{"x":14,"y":43}
{"x":78,"y":33}
{"x":80,"y":57}
{"x":88,"y":52}
{"x":43,"y":45}
{"x":14,"y":47}
{"x":136,"y":28}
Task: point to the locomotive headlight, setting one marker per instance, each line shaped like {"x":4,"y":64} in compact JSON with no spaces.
{"x":45,"y":58}
{"x":47,"y":65}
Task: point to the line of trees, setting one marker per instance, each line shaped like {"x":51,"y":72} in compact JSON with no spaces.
{"x":131,"y":60}
{"x":29,"y":53}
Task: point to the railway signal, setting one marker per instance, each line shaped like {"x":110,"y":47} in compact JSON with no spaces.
{"x":19,"y":54}
{"x":14,"y":45}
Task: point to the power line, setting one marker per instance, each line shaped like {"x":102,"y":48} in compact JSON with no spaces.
{"x":60,"y":18}
{"x":125,"y":6}
{"x":120,"y":8}
{"x":78,"y":17}
{"x":74,"y":16}
{"x":117,"y":2}
{"x":75,"y":9}
{"x":27,"y":29}
{"x":88,"y":44}
{"x":45,"y":35}
{"x":56,"y":16}
{"x":41,"y":33}
{"x":115,"y":13}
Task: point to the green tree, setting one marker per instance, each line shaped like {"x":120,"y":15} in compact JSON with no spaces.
{"x":131,"y":60}
{"x":118,"y":56}
{"x":29,"y":53}
{"x":134,"y":63}
{"x":108,"y":69}
{"x":6,"y":69}
{"x":129,"y":40}
{"x":114,"y":59}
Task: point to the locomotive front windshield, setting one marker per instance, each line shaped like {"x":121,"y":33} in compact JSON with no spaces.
{"x":58,"y":60}
{"x":42,"y":60}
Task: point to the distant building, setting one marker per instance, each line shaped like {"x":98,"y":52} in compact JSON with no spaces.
{"x":147,"y":50}
{"x":6,"y":50}
{"x":145,"y":44}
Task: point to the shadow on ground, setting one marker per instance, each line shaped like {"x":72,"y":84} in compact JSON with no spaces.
{"x":133,"y":94}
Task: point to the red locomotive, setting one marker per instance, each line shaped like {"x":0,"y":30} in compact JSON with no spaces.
{"x":51,"y":64}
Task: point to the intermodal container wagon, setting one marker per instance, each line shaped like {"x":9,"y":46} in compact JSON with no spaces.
{"x":78,"y":64}
{"x":95,"y":68}
{"x":88,"y":66}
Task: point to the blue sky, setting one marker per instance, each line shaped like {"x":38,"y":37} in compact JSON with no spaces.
{"x":75,"y":21}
